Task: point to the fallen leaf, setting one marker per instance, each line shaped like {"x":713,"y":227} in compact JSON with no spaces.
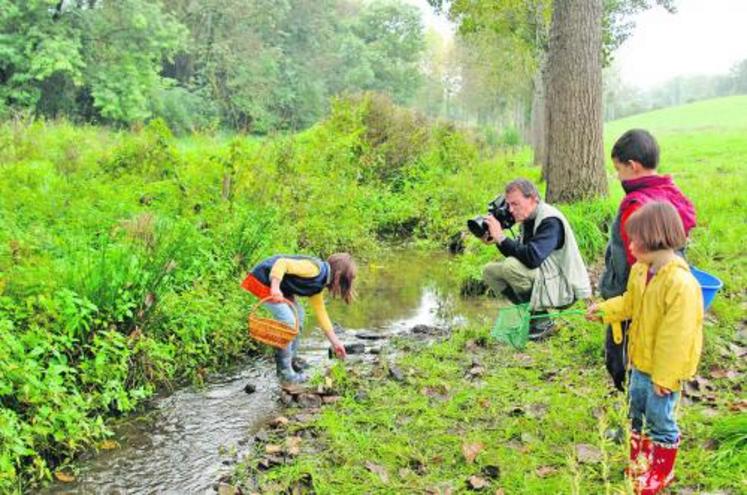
{"x":588,"y":454}
{"x":108,"y":445}
{"x":380,"y":470}
{"x":500,"y":492}
{"x":524,"y":359}
{"x":293,"y":445}
{"x":150,"y":299}
{"x":476,"y":371}
{"x":526,"y":438}
{"x":471,"y":346}
{"x":545,"y":471}
{"x":64,"y":477}
{"x":470,"y":451}
{"x":226,"y":489}
{"x":537,"y":410}
{"x":439,"y":490}
{"x":738,"y":350}
{"x":272,"y":449}
{"x":278,"y":422}
{"x":477,"y":483}
{"x":739,"y":406}
{"x":717,"y":372}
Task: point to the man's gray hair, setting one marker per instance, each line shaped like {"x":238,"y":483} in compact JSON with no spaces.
{"x":525,"y":187}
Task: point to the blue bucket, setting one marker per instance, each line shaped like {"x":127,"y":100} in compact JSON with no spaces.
{"x":709,"y":285}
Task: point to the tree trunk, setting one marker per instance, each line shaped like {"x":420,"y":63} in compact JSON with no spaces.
{"x":575,"y":154}
{"x":539,"y":117}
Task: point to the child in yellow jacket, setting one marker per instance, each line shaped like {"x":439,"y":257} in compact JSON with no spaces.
{"x":665,"y":304}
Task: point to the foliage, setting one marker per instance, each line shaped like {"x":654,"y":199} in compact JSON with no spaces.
{"x":533,"y":414}
{"x":92,"y":59}
{"x":121,"y":252}
{"x":257,"y":66}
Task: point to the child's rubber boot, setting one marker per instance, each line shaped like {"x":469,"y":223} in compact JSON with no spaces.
{"x":298,"y":364}
{"x":661,"y":471}
{"x":284,"y":364}
{"x":640,"y":455}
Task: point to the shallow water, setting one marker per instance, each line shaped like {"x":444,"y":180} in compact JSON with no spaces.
{"x":187,"y":439}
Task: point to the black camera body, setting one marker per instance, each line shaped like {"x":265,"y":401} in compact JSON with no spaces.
{"x":499,"y":209}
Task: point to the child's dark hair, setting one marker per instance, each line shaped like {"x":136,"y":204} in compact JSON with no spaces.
{"x":637,"y":145}
{"x":343,"y":275}
{"x":656,"y":226}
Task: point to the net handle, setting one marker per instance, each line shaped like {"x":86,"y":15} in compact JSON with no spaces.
{"x":559,"y":313}
{"x":286,"y":301}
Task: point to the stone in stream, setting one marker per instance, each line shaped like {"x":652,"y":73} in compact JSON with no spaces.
{"x":370,"y":336}
{"x":250,"y":388}
{"x":354,"y":348}
{"x":428,"y":330}
{"x":309,"y":400}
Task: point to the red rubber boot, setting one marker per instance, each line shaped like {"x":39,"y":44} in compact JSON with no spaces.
{"x":661,"y":471}
{"x":640,"y":455}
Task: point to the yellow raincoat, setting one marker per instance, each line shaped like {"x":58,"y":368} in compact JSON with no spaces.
{"x":666,"y":332}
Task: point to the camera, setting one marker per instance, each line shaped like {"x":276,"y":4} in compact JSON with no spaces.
{"x":499,"y":209}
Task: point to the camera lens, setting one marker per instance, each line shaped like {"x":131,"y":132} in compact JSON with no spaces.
{"x":477,"y":226}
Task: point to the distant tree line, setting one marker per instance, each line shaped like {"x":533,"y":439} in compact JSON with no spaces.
{"x":253,"y":65}
{"x":622,"y":100}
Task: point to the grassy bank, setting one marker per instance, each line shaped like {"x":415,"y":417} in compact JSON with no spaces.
{"x":546,"y":418}
{"x":121,"y":252}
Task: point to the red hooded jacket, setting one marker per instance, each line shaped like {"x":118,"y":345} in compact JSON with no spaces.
{"x":653,"y":188}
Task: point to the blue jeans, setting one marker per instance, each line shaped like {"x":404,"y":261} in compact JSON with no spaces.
{"x":283,"y":357}
{"x":657,"y":411}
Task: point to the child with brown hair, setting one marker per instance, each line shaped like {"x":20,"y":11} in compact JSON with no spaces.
{"x":284,"y":277}
{"x":665,"y":305}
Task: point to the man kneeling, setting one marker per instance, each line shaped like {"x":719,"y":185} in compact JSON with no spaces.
{"x":543,"y":266}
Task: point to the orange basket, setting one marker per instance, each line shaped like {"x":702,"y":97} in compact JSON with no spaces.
{"x":272,"y":332}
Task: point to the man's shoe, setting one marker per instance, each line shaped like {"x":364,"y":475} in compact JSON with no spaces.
{"x":540,"y":329}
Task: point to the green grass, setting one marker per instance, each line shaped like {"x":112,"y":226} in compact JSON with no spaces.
{"x":531,"y":410}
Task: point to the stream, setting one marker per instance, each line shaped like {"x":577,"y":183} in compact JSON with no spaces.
{"x":184,"y":441}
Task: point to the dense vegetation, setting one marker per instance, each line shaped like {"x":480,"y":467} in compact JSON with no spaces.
{"x":254,"y":65}
{"x":467,"y":412}
{"x":120,"y":253}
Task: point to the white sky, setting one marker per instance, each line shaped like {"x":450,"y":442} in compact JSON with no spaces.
{"x":703,"y":37}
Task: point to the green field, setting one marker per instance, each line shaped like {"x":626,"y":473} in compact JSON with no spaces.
{"x":546,"y":417}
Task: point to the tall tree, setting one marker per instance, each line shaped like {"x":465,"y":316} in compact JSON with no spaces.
{"x":528,"y":23}
{"x":575,"y":165}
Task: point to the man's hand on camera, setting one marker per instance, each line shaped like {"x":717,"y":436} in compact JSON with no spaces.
{"x":494,"y":230}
